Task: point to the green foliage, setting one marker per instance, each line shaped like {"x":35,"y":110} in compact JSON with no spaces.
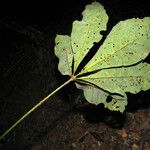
{"x":118,"y":62}
{"x":116,"y":68}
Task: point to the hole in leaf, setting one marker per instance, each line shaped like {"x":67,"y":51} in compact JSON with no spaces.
{"x":103,"y":33}
{"x":115,"y":102}
{"x":117,"y":107}
{"x":109,"y":99}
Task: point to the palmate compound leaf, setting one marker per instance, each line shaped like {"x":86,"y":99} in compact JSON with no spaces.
{"x":127,"y":44}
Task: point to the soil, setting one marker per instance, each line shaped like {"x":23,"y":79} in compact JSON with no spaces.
{"x":28,"y":73}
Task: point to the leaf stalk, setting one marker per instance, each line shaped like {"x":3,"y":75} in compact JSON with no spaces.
{"x":35,"y":107}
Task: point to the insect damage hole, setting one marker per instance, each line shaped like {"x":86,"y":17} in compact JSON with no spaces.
{"x":109,"y":99}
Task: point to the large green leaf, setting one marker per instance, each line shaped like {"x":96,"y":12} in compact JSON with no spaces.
{"x":127,"y":43}
{"x":118,"y":63}
{"x":64,"y":52}
{"x":87,"y":31}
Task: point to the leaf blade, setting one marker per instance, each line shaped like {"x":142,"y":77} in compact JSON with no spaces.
{"x":120,"y":80}
{"x":87,"y":31}
{"x":96,"y":96}
{"x":63,"y":51}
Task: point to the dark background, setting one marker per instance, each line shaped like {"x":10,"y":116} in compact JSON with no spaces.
{"x":28,"y":66}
